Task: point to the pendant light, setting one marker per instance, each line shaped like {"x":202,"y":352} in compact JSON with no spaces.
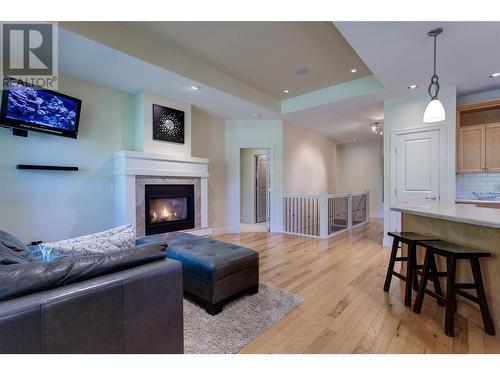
{"x":435,"y":110}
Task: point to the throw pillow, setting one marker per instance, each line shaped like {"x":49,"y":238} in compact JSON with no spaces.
{"x":115,"y":239}
{"x":12,"y":250}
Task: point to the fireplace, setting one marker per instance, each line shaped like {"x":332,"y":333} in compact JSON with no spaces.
{"x":169,"y":208}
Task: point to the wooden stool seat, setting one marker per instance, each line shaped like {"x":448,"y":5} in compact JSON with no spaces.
{"x":445,"y":247}
{"x":410,"y":239}
{"x":453,"y":252}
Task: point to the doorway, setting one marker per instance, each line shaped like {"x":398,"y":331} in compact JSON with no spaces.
{"x":419,"y":161}
{"x":254,"y":190}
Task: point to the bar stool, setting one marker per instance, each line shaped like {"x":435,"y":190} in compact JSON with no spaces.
{"x":453,"y":252}
{"x":410,"y":239}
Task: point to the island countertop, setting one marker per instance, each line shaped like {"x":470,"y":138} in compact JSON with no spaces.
{"x":461,"y":213}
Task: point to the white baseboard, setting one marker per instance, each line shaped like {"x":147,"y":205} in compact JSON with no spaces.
{"x":387,"y":241}
{"x":206,"y":231}
{"x":221,"y":230}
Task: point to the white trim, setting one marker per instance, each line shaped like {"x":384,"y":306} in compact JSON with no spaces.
{"x":203,"y":231}
{"x":387,"y":241}
{"x":162,"y":157}
{"x":129,"y":164}
{"x":221,"y":230}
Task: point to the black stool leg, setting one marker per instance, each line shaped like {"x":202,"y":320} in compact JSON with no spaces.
{"x":449,"y":324}
{"x":489,"y":328}
{"x":390,"y":267}
{"x":410,"y":271}
{"x":423,"y":282}
{"x":415,"y":269}
{"x":435,"y":280}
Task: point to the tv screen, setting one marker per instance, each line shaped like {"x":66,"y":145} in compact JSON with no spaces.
{"x":30,"y":108}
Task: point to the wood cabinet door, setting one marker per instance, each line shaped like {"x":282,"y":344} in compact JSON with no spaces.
{"x":493,"y":147}
{"x":471,"y":149}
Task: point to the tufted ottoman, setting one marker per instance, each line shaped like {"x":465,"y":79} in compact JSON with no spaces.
{"x":215,"y":272}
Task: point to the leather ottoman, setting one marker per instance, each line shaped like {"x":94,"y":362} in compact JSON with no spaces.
{"x":214,"y":272}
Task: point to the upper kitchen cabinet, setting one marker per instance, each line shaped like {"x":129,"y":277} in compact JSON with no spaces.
{"x":492,"y":134}
{"x":478,"y":137}
{"x":471,"y":149}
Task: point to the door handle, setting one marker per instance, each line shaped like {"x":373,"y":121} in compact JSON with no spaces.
{"x":431,"y":198}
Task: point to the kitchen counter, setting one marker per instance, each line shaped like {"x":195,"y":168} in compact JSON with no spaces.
{"x":466,"y":225}
{"x":461,"y":213}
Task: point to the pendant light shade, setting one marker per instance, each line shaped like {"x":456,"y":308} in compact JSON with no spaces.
{"x":435,"y":110}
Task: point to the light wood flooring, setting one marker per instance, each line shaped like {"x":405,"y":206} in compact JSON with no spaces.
{"x":345,"y":309}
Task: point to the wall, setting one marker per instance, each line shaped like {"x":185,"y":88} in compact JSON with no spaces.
{"x":247,"y":188}
{"x":208,"y":142}
{"x":406,"y":113}
{"x":45,"y":205}
{"x":479,"y":97}
{"x":308,"y":161}
{"x":143,"y":117}
{"x":253,"y":134}
{"x":467,"y":183}
{"x":359,"y":167}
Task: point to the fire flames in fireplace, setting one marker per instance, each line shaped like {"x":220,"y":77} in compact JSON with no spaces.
{"x":163,"y":210}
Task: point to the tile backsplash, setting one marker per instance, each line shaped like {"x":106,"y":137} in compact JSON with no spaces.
{"x":469,"y":182}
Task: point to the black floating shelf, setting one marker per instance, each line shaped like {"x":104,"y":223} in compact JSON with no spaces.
{"x":46,"y":167}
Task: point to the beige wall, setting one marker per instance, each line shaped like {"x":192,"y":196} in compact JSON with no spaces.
{"x":48,"y":206}
{"x":208,"y":142}
{"x":359,"y":167}
{"x":308,"y":161}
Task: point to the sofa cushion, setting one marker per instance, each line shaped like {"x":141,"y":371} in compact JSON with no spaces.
{"x":206,"y":258}
{"x":12,"y":250}
{"x":21,"y":279}
{"x":115,"y":239}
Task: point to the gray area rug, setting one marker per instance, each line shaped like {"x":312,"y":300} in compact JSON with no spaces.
{"x":240,"y":322}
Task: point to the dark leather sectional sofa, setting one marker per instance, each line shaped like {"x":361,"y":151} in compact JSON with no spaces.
{"x":128,"y":302}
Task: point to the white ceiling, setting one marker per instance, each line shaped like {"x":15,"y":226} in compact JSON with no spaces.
{"x":400,"y":54}
{"x":397,"y":53}
{"x":264,"y":55}
{"x":344,"y":120}
{"x":91,"y":61}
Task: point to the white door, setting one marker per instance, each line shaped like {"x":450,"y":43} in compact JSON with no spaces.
{"x":418,"y":168}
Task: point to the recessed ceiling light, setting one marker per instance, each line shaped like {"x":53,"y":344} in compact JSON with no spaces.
{"x":354,"y":70}
{"x":286,"y":91}
{"x":194,"y":87}
{"x":256,"y":115}
{"x":354,"y":139}
{"x":495,"y":75}
{"x":302,"y":71}
{"x":412,"y":87}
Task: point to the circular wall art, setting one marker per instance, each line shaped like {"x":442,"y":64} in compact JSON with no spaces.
{"x":168,"y":124}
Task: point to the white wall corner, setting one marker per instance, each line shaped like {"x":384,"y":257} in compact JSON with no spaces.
{"x":143,"y":126}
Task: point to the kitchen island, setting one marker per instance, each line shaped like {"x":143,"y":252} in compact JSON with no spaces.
{"x":467,"y":225}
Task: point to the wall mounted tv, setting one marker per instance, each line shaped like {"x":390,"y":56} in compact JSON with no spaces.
{"x":26,"y":107}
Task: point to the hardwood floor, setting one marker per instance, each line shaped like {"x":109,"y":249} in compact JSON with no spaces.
{"x":345,"y":309}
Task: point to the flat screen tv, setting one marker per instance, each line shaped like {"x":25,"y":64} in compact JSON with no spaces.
{"x":30,"y":108}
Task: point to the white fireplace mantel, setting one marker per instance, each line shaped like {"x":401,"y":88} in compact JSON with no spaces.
{"x":129,"y":164}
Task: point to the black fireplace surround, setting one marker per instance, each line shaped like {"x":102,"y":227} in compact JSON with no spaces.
{"x":169,"y":208}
